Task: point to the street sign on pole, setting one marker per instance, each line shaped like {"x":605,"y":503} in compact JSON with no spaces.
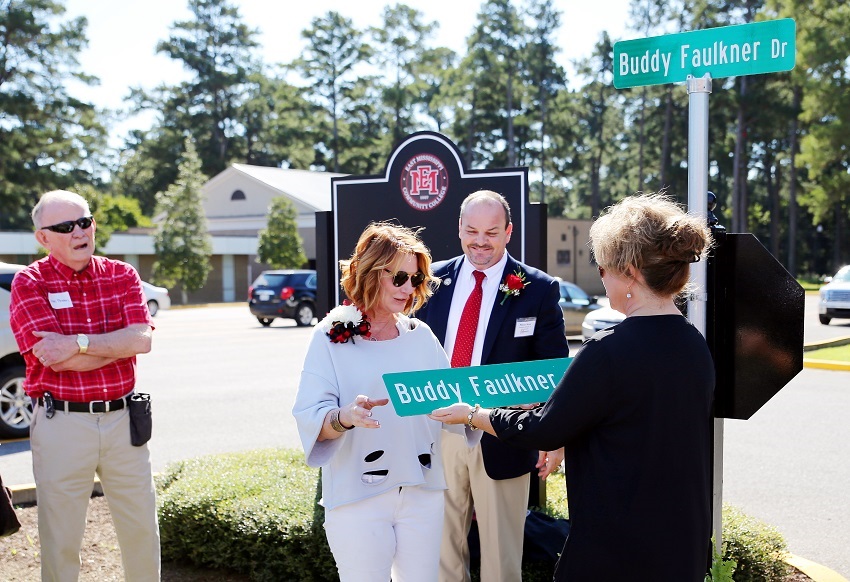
{"x":727,"y":51}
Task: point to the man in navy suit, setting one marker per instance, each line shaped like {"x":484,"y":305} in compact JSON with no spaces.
{"x":493,"y":477}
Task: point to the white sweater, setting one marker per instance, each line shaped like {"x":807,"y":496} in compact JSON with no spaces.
{"x":333,"y":375}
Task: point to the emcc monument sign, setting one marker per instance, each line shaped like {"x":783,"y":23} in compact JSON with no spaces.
{"x":746,"y":304}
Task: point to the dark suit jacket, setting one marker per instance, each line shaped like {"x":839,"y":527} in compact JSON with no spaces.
{"x":539,"y":299}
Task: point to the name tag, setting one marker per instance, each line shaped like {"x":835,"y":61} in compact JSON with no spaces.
{"x":60,"y":300}
{"x":524,"y":326}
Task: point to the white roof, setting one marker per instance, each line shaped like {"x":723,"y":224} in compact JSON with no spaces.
{"x":308,"y":187}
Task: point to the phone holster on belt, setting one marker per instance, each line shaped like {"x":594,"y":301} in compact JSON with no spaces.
{"x":141,"y":423}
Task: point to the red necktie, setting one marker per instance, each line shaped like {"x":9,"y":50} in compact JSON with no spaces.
{"x":465,"y":340}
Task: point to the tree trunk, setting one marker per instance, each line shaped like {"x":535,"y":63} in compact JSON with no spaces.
{"x":739,"y":188}
{"x":510,"y":104}
{"x":665,"y":139}
{"x":792,"y":185}
{"x":641,"y":137}
{"x":773,"y":183}
{"x":543,"y":147}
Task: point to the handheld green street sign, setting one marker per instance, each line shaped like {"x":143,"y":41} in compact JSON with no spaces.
{"x":490,"y":386}
{"x":727,"y":51}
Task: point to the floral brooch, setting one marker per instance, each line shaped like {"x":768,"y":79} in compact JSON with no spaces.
{"x":513,"y":284}
{"x":344,"y":322}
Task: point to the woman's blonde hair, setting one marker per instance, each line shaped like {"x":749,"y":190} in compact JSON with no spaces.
{"x":382,"y":246}
{"x":655,"y":235}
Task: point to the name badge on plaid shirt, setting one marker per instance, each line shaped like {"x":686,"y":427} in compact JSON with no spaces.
{"x":60,"y":300}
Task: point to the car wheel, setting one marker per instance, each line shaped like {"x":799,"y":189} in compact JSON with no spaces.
{"x":265,"y":321}
{"x":824,"y":319}
{"x":15,"y":405}
{"x":153,"y":307}
{"x":304,"y":314}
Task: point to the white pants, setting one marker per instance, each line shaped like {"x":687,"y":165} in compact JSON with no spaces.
{"x":395,"y":534}
{"x":67,"y":451}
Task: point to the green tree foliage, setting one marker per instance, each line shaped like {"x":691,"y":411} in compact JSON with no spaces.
{"x":334,"y":47}
{"x":399,"y":47}
{"x":48,"y":139}
{"x":824,"y":41}
{"x":112,"y":213}
{"x":216,"y":47}
{"x":280,"y":245}
{"x":777,"y":143}
{"x":546,"y":78}
{"x":182,"y":243}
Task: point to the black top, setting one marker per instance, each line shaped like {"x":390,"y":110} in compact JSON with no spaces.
{"x":633,"y":412}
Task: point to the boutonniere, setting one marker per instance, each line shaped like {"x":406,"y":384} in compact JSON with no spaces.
{"x":344,"y":322}
{"x":514,"y":283}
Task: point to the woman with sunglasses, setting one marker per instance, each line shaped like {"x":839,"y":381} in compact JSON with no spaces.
{"x":382,"y":474}
{"x":633,"y":410}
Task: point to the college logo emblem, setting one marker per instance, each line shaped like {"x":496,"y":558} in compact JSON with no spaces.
{"x":424,"y":182}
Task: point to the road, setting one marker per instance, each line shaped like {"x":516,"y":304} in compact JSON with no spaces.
{"x":220,"y":382}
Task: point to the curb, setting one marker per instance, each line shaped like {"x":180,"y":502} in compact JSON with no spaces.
{"x":25,"y":494}
{"x":826,"y":364}
{"x":814,"y":571}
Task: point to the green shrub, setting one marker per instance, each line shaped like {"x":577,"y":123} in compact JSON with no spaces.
{"x":756,"y":547}
{"x":256,"y":513}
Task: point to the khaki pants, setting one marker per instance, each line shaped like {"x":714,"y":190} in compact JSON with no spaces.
{"x":500,"y":509}
{"x":67,"y":451}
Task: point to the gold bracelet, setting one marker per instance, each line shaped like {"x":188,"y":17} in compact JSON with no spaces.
{"x":469,"y":418}
{"x":336,"y":424}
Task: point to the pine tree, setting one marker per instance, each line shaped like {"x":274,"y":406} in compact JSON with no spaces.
{"x":182,"y":243}
{"x":280,"y":245}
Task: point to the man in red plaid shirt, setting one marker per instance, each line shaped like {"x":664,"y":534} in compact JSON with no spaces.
{"x":79,"y":321}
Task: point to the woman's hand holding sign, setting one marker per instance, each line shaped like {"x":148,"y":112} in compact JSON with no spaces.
{"x":473,"y":417}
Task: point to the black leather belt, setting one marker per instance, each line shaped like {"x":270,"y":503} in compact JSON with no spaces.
{"x":94,"y":407}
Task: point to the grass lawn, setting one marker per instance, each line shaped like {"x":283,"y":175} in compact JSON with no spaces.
{"x":835,"y":354}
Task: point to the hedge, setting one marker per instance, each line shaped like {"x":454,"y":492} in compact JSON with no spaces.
{"x":257,"y":513}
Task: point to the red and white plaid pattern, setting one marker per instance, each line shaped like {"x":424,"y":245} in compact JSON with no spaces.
{"x":106,"y":296}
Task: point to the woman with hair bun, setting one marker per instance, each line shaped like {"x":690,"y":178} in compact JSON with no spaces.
{"x":633,"y":410}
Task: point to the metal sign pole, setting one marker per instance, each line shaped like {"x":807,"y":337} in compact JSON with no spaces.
{"x":698,"y":92}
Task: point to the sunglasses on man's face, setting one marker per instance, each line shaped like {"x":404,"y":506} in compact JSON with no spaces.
{"x":68,"y":226}
{"x":401,"y":277}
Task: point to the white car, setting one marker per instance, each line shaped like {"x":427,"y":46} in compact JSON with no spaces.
{"x":156,"y":297}
{"x":835,"y":297}
{"x":15,"y":405}
{"x":602,"y":318}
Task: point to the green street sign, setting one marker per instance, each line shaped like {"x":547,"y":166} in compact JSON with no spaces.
{"x":490,"y":386}
{"x":728,"y":51}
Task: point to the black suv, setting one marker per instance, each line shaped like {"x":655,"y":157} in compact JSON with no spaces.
{"x":289,"y":293}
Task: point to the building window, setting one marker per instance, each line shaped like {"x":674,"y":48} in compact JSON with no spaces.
{"x":562,"y":257}
{"x":563,"y":237}
{"x":237,"y":195}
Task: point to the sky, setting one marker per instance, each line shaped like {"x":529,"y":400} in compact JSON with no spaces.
{"x":123,"y":35}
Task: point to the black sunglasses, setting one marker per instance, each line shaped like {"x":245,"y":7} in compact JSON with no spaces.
{"x":68,"y":225}
{"x":401,"y":277}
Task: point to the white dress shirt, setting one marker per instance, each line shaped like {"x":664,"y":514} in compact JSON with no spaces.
{"x":464,"y":286}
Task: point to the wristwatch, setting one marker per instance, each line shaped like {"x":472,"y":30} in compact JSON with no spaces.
{"x":470,"y":417}
{"x":83,"y":342}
